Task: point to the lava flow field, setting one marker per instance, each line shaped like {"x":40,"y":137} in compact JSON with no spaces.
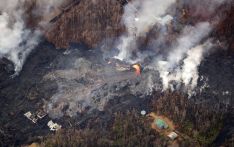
{"x":75,"y":86}
{"x":92,"y":73}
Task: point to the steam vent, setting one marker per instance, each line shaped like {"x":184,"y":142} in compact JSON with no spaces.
{"x":96,"y":73}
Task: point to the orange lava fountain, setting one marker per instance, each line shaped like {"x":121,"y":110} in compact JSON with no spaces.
{"x":137,"y":68}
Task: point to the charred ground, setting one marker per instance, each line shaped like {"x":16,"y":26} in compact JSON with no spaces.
{"x":211,"y":111}
{"x":206,"y":118}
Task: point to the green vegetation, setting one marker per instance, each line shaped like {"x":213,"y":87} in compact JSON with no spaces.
{"x":188,"y":127}
{"x":207,"y":137}
{"x":128,"y":129}
{"x":199,"y":123}
{"x":204,"y":137}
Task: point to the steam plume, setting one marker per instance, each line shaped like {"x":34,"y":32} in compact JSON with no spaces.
{"x":181,"y":61}
{"x":16,"y":40}
{"x":187,"y":72}
{"x":139,"y":17}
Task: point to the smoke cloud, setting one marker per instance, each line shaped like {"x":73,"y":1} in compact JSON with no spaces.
{"x":139,"y":17}
{"x":182,"y":61}
{"x":178,"y":65}
{"x":16,"y":40}
{"x":186,"y":74}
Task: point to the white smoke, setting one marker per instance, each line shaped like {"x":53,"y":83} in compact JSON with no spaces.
{"x":179,"y":67}
{"x":187,"y":73}
{"x":171,"y":70}
{"x":182,"y":62}
{"x":139,"y":17}
{"x":17,"y":41}
{"x":190,"y":37}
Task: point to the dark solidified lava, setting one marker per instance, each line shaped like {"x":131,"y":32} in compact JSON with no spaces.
{"x":28,"y":92}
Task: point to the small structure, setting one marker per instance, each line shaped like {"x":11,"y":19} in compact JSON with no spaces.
{"x":41,"y":114}
{"x":53,"y":126}
{"x":34,"y":117}
{"x":172,"y":135}
{"x":143,"y":112}
{"x":161,"y":124}
{"x":31,"y":117}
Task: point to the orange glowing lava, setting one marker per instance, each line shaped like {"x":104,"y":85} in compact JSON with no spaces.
{"x":137,"y":68}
